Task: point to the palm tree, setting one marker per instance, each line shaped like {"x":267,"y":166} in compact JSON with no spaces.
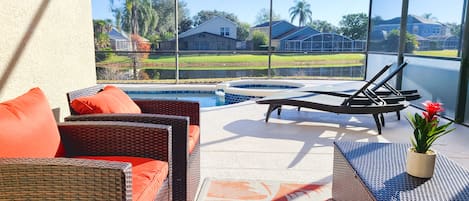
{"x":429,"y":16}
{"x":302,"y":10}
{"x":137,"y":16}
{"x":118,"y":17}
{"x":101,"y":38}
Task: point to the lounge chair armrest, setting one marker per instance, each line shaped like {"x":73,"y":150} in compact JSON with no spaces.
{"x":59,"y":178}
{"x":172,"y":107}
{"x":112,"y":138}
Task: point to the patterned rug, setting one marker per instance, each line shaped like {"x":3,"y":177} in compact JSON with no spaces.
{"x":249,"y":190}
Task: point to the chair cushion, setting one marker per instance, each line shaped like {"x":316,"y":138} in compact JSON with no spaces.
{"x":148,"y":175}
{"x":194,"y":135}
{"x":28,"y":127}
{"x":110,"y":100}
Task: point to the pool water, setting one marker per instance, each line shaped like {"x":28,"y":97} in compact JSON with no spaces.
{"x":264,"y":86}
{"x":205,"y":98}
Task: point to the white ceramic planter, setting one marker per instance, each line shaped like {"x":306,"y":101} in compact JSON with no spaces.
{"x":420,"y":165}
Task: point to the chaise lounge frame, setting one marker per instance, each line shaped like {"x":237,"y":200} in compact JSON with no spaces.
{"x":369,"y":103}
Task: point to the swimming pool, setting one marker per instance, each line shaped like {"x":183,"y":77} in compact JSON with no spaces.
{"x":264,"y":86}
{"x":205,"y":98}
{"x":214,"y":95}
{"x":243,"y":90}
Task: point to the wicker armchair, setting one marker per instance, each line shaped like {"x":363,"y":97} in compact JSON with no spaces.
{"x":84,"y":179}
{"x":185,"y":166}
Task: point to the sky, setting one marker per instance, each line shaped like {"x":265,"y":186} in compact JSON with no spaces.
{"x":328,"y":10}
{"x":443,"y":10}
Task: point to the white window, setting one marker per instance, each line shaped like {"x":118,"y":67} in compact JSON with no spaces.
{"x":224,"y":31}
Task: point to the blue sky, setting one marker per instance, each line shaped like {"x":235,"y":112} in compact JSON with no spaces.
{"x":443,"y":10}
{"x":329,"y":10}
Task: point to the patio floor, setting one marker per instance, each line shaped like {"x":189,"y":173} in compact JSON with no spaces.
{"x":236,"y":143}
{"x":297,"y":146}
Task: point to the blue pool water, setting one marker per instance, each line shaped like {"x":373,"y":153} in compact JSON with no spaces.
{"x":264,"y":86}
{"x":205,"y":98}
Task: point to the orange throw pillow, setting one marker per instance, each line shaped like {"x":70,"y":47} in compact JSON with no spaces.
{"x":28,"y":127}
{"x":110,"y":100}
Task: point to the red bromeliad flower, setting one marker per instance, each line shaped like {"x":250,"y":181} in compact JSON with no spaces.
{"x":432,"y":108}
{"x":426,"y":128}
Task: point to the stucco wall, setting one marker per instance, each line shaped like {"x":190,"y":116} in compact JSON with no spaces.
{"x":48,"y":44}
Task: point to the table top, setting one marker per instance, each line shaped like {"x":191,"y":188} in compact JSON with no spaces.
{"x":381,"y":167}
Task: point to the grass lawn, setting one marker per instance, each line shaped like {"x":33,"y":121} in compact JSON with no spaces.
{"x":238,"y":61}
{"x":248,"y":67}
{"x":214,"y":80}
{"x":438,"y":53}
{"x":250,"y":61}
{"x":252,"y":58}
{"x":116,"y":59}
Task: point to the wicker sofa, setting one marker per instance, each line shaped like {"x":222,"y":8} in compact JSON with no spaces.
{"x":182,"y":116}
{"x":43,"y":160}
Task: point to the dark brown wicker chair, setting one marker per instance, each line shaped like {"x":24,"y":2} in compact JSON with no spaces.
{"x":185,"y":166}
{"x":84,"y":179}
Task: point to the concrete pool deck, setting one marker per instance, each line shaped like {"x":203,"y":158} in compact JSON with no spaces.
{"x":297,"y":146}
{"x":236,"y":143}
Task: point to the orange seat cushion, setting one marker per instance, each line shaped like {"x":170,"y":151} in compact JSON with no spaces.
{"x":28,"y":127}
{"x":110,"y":100}
{"x":148,"y":174}
{"x":194,"y":135}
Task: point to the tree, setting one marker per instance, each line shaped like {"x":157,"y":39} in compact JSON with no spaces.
{"x":141,"y":46}
{"x":101,"y":38}
{"x":391,"y":44}
{"x":242,"y":32}
{"x":302,"y":10}
{"x":455,"y":29}
{"x":118,"y":17}
{"x":377,"y":20}
{"x":322,"y":26}
{"x":185,"y":24}
{"x":259,"y":39}
{"x":165,"y":10}
{"x":354,"y":26}
{"x":264,"y":16}
{"x":102,"y":26}
{"x":136,"y":16}
{"x":429,"y":16}
{"x":205,"y":15}
{"x":139,"y":17}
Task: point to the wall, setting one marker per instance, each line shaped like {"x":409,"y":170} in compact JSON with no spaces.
{"x":48,"y":44}
{"x":206,"y":41}
{"x":213,"y":26}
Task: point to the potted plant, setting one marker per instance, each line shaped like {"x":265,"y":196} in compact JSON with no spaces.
{"x":420,"y":158}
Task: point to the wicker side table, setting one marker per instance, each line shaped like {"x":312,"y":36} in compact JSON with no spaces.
{"x":376,"y":171}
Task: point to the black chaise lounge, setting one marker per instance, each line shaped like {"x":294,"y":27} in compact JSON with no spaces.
{"x":362,"y":101}
{"x":381,"y":88}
